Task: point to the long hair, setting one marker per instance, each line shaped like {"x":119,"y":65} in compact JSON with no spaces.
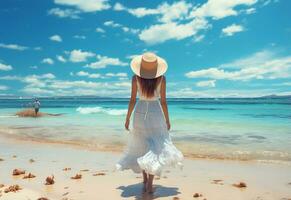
{"x":148,"y":86}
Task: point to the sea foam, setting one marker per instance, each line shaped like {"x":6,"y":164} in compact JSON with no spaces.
{"x":109,"y":111}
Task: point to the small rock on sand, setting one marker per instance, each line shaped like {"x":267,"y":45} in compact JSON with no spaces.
{"x":1,"y":159}
{"x":99,"y":174}
{"x":176,"y":198}
{"x":12,"y":188}
{"x":77,"y":176}
{"x":42,"y":198}
{"x":49,"y":180}
{"x":31,"y":160}
{"x":30,"y":175}
{"x":2,"y":185}
{"x":196,"y":195}
{"x":67,"y":169}
{"x":240,"y":185}
{"x":17,"y":172}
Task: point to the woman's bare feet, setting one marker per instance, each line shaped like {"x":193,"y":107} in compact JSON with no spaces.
{"x":150,"y":189}
{"x":144,"y":188}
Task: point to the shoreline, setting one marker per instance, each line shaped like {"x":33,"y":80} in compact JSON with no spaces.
{"x":197,"y":176}
{"x":119,"y":148}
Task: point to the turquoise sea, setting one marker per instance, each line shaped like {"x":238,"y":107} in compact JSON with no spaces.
{"x":230,"y":128}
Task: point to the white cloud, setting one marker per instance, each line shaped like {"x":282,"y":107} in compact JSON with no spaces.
{"x":119,"y":7}
{"x":48,"y":61}
{"x":33,"y":67}
{"x":117,"y":25}
{"x":250,"y":11}
{"x":168,"y":13}
{"x":232,"y":29}
{"x":104,"y":61}
{"x":56,"y":38}
{"x":130,"y":30}
{"x":218,"y":9}
{"x":177,"y":10}
{"x":198,"y":38}
{"x":5,"y":67}
{"x":116,"y":75}
{"x":13,"y":47}
{"x":210,"y":83}
{"x":61,"y":58}
{"x":181,"y":20}
{"x":37,"y":48}
{"x":260,"y":65}
{"x":37,"y":91}
{"x":86,"y":5}
{"x":10,"y":78}
{"x":63,"y":13}
{"x":100,"y":30}
{"x":48,"y":85}
{"x":162,"y":32}
{"x":89,"y":75}
{"x":131,"y":56}
{"x":219,"y":93}
{"x":82,"y":37}
{"x":3,"y":87}
{"x":77,"y":55}
{"x":112,"y":24}
{"x":256,"y":59}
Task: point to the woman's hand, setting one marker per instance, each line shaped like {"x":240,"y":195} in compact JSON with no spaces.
{"x":168,"y":125}
{"x":126,"y":125}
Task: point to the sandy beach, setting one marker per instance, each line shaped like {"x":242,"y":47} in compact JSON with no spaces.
{"x":211,"y":179}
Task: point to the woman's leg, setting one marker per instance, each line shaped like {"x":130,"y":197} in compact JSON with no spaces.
{"x":145,"y":180}
{"x":145,"y":177}
{"x":150,"y":183}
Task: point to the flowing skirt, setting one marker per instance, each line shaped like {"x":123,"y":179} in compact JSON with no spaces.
{"x":150,"y":147}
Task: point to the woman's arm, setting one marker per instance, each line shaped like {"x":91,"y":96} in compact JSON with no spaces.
{"x":163,"y":101}
{"x":132,"y":101}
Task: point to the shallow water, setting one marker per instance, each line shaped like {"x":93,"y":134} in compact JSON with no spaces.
{"x":256,"y":129}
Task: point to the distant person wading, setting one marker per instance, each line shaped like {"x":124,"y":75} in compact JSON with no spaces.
{"x":36,"y":106}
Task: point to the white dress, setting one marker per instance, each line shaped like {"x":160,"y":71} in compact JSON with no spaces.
{"x":150,"y":147}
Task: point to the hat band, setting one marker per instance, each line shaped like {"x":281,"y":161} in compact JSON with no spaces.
{"x":148,"y":70}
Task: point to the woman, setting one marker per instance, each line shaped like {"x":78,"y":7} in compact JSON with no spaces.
{"x":150,"y":148}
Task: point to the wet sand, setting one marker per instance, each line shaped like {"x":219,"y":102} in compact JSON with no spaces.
{"x":210,"y":179}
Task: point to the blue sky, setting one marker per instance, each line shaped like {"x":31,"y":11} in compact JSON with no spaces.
{"x":214,"y":48}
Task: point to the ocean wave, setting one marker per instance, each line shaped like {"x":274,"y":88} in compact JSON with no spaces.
{"x":8,"y":116}
{"x":109,"y":111}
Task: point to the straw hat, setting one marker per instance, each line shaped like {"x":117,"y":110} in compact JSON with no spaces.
{"x":148,"y":65}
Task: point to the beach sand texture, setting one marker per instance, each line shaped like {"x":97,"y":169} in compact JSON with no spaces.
{"x":210,"y":179}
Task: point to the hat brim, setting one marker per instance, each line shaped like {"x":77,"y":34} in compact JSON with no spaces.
{"x":136,"y":64}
